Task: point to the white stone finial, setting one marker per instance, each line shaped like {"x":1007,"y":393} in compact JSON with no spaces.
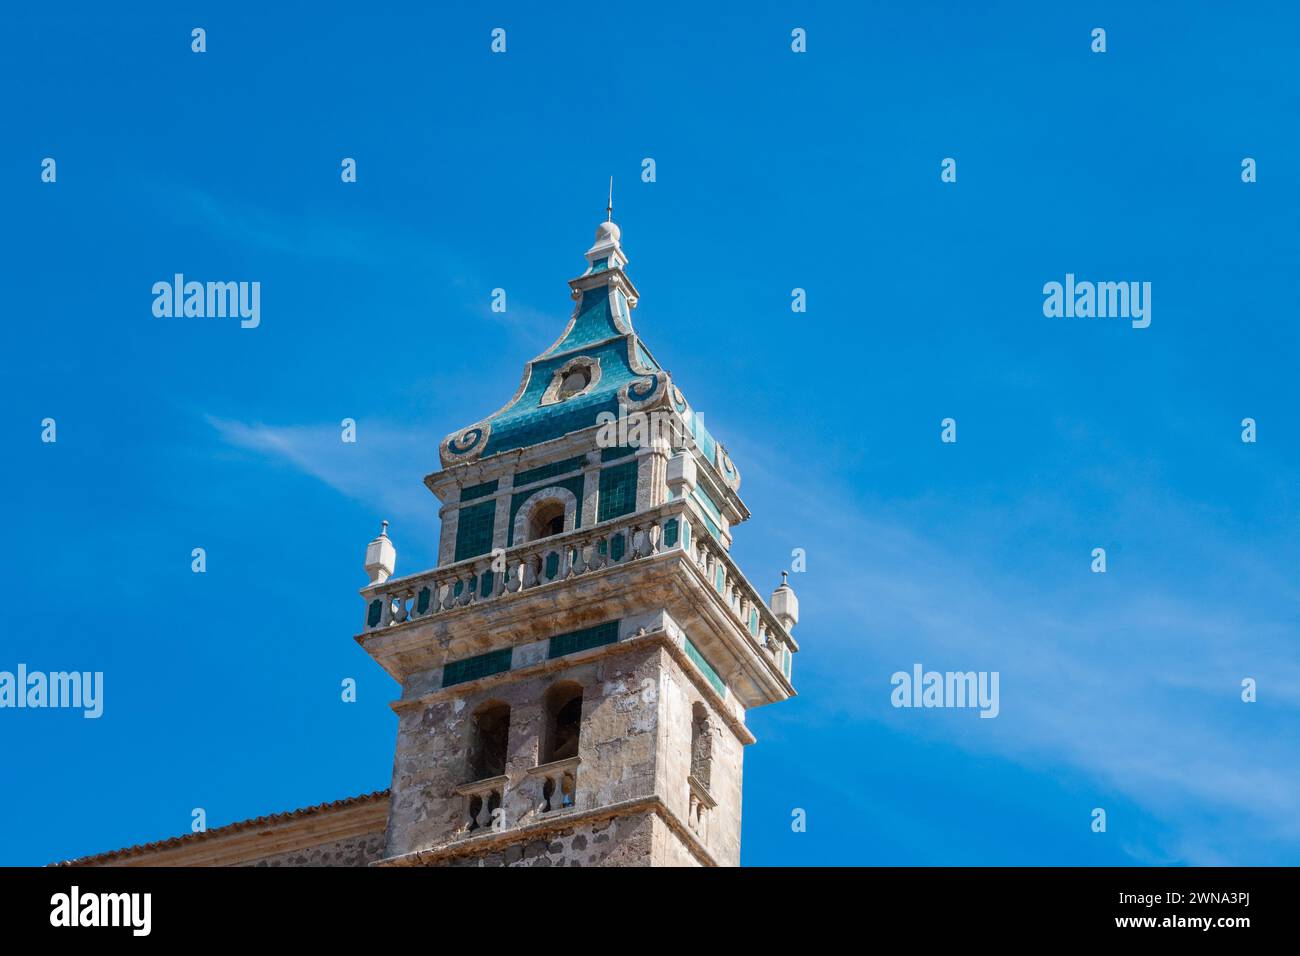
{"x":608,"y":233}
{"x":381,"y":557}
{"x":785,"y":605}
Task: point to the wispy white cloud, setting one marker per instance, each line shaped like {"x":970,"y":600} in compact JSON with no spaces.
{"x":1138,"y":688}
{"x":385,"y":467}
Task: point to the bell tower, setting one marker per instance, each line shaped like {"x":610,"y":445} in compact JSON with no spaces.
{"x":576,"y":670}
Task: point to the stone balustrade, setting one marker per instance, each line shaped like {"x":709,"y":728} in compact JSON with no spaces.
{"x":557,"y":783}
{"x":699,"y":805}
{"x":482,"y":801}
{"x":530,"y":565}
{"x":620,"y":541}
{"x":738,"y":594}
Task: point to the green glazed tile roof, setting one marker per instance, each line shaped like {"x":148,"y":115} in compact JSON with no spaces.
{"x":528,"y":421}
{"x":593,"y":322}
{"x":599,"y":330}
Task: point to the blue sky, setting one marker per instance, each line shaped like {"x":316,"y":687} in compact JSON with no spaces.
{"x":774,"y":171}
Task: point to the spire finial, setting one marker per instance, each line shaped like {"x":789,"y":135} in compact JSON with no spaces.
{"x":609,"y":210}
{"x":784,"y":603}
{"x":381,"y":556}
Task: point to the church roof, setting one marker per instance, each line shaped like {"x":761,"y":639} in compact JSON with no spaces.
{"x":270,"y":819}
{"x":598,"y":365}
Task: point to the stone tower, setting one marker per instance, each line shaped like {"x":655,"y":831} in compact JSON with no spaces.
{"x":576,"y":670}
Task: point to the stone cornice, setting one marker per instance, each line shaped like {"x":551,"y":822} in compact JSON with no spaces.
{"x":580,"y":441}
{"x":684,"y":663}
{"x":566,"y":763}
{"x":479,"y":844}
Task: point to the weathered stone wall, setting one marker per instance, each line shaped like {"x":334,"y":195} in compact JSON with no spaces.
{"x":719,"y":829}
{"x":617,"y":747}
{"x":623,"y":841}
{"x":353,"y":851}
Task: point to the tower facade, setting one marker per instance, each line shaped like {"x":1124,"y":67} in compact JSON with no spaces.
{"x":576,"y":670}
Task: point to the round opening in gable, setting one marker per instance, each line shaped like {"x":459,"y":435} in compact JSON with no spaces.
{"x":575,"y":380}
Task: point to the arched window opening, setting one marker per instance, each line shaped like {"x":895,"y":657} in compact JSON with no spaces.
{"x":490,"y":738}
{"x":701,"y":745}
{"x":547,"y":520}
{"x":563,"y":722}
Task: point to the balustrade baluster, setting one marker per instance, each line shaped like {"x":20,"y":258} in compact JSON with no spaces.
{"x":513,"y":575}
